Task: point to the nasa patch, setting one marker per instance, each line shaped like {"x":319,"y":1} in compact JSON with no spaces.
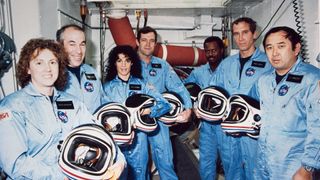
{"x":152,"y":72}
{"x":5,"y":115}
{"x":63,"y":116}
{"x":283,"y":90}
{"x":250,"y":72}
{"x":88,"y":86}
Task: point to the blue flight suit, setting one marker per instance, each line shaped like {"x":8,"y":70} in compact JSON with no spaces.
{"x":31,"y":126}
{"x":238,"y":154}
{"x":89,"y":90}
{"x":211,"y":134}
{"x":290,"y":115}
{"x":162,"y":76}
{"x":137,"y":153}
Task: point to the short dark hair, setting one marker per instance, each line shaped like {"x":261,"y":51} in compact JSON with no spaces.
{"x":146,"y":30}
{"x":59,"y":33}
{"x":251,"y":22}
{"x":113,"y":57}
{"x":214,"y":39}
{"x":291,"y":34}
{"x":31,"y":50}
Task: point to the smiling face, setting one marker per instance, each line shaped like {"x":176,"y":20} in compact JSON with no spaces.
{"x":146,"y":45}
{"x":123,"y":65}
{"x":74,"y":43}
{"x":243,"y":37}
{"x":280,"y":52}
{"x":213,"y":52}
{"x":44,"y":70}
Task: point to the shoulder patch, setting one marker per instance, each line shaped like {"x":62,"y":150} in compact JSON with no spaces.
{"x":90,"y":76}
{"x":156,"y":65}
{"x":259,"y":64}
{"x":5,"y":115}
{"x":294,"y":78}
{"x":64,"y":104}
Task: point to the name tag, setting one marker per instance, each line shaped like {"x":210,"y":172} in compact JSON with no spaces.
{"x":65,"y":105}
{"x":91,"y":77}
{"x":134,"y":86}
{"x":259,"y":64}
{"x":156,"y":65}
{"x":294,"y":78}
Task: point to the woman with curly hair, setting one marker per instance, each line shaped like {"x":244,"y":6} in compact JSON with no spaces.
{"x":36,"y":118}
{"x":124,"y":79}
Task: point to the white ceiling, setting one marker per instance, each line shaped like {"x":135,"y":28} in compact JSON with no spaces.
{"x":190,"y":8}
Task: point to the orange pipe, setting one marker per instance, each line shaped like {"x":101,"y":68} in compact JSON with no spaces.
{"x":122,"y":33}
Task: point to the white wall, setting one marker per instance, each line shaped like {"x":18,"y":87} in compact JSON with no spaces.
{"x":41,"y":18}
{"x":263,"y":12}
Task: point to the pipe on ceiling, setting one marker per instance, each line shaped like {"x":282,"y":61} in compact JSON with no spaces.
{"x":123,"y":34}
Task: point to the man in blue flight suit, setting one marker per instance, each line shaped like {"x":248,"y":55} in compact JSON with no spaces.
{"x":161,"y":75}
{"x":210,"y":132}
{"x":289,"y":141}
{"x":83,"y":81}
{"x":236,"y":74}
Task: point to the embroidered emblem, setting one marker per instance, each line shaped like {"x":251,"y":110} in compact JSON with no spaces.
{"x":63,"y":116}
{"x":88,"y":86}
{"x":6,"y":115}
{"x":283,"y":90}
{"x":152,"y":72}
{"x":250,"y":72}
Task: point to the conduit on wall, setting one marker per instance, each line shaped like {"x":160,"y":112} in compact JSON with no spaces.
{"x":122,"y":33}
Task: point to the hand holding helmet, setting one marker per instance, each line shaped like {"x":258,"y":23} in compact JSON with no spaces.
{"x":87,"y":152}
{"x":139,"y":106}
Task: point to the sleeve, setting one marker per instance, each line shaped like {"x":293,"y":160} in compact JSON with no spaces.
{"x":14,"y":157}
{"x":162,"y":105}
{"x":311,"y":156}
{"x":191,"y":77}
{"x":173,"y":83}
{"x":254,"y":91}
{"x":107,"y":93}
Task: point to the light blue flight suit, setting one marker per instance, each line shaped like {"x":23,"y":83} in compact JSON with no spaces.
{"x":31,"y":127}
{"x":290,"y":116}
{"x":238,"y":154}
{"x":89,"y":90}
{"x":211,"y":134}
{"x":137,"y":153}
{"x":162,"y":76}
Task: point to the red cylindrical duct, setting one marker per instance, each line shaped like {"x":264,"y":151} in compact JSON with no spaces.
{"x":180,"y":55}
{"x":122,"y":33}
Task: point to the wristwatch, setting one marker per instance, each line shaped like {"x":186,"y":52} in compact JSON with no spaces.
{"x":308,"y":168}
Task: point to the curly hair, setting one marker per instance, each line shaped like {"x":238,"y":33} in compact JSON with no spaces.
{"x":31,"y":50}
{"x":114,"y":56}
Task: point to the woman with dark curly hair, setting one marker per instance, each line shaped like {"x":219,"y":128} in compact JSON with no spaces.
{"x":36,"y":118}
{"x":123,"y":80}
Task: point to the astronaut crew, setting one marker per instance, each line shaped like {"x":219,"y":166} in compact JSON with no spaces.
{"x":35,"y":119}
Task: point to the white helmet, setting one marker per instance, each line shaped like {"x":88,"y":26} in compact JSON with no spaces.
{"x":87,"y":152}
{"x":212,"y":103}
{"x":243,"y":116}
{"x":176,"y":108}
{"x":136,"y":104}
{"x":116,"y":119}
